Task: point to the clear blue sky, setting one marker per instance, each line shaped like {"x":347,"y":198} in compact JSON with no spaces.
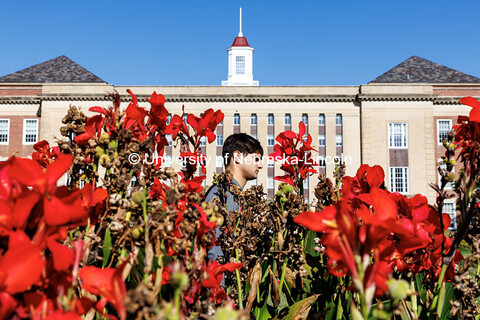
{"x":184,"y":42}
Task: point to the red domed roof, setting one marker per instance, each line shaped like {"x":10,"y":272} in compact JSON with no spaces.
{"x":240,"y":42}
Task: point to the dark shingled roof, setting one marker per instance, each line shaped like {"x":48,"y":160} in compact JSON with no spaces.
{"x":60,"y":69}
{"x":419,"y":70}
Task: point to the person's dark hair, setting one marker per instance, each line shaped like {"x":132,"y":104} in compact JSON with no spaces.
{"x":241,"y":142}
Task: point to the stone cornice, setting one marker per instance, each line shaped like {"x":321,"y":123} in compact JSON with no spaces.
{"x":248,"y":98}
{"x":403,"y":97}
{"x":20,"y":100}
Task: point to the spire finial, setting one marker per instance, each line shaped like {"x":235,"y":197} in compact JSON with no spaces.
{"x":240,"y":34}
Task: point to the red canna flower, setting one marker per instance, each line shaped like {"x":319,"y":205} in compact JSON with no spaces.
{"x":108,"y":284}
{"x":43,"y":154}
{"x":29,"y":173}
{"x":206,"y":124}
{"x":475,"y":104}
{"x":93,"y":129}
{"x":294,"y":152}
{"x":18,"y":274}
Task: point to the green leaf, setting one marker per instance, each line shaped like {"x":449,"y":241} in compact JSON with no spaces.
{"x":107,"y":248}
{"x":419,"y":284}
{"x":449,"y":295}
{"x":301,"y":309}
{"x":310,"y":244}
{"x":264,"y":314}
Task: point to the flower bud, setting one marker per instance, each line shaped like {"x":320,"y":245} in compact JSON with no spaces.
{"x":287,"y":188}
{"x":105,"y":137}
{"x":137,"y":233}
{"x":451,"y":177}
{"x":99,"y":151}
{"x":113,"y":144}
{"x":138,"y":196}
{"x":399,"y":289}
{"x":104,"y":159}
{"x":179,"y":280}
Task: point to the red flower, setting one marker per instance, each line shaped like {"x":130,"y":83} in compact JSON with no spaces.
{"x":21,"y":266}
{"x":475,"y":104}
{"x":294,"y":152}
{"x":29,"y":173}
{"x":158,"y":113}
{"x":107,"y":283}
{"x":43,"y":154}
{"x":206,"y":124}
{"x":93,"y":129}
{"x":176,"y":125}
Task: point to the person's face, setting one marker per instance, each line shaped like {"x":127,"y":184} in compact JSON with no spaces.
{"x":252,"y":163}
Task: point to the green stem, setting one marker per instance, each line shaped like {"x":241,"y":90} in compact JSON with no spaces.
{"x":282,"y":277}
{"x":414,"y":299}
{"x":439,"y":287}
{"x":239,"y":283}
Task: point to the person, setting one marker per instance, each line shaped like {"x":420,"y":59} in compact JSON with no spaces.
{"x":242,"y":156}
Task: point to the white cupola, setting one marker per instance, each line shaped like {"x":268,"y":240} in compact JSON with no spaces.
{"x":240,"y":62}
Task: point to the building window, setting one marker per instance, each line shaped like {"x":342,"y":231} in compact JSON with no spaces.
{"x":4,"y":130}
{"x":219,"y":161}
{"x":203,"y":141}
{"x":305,"y":119}
{"x":253,"y":182}
{"x":449,"y":208}
{"x":399,"y":179}
{"x":270,"y":140}
{"x":270,"y":119}
{"x":219,"y":140}
{"x":321,"y":161}
{"x":338,"y":120}
{"x":185,"y":118}
{"x":240,"y":64}
{"x":253,"y":119}
{"x":288,"y":119}
{"x":339,"y":140}
{"x":169,"y":118}
{"x":270,"y":162}
{"x":168,"y":160}
{"x":169,"y":139}
{"x":321,"y":119}
{"x":270,"y":183}
{"x":254,"y":136}
{"x":321,"y":140}
{"x":397,"y":135}
{"x":444,"y":126}
{"x":236,"y":119}
{"x":30,"y":131}
{"x":305,"y":183}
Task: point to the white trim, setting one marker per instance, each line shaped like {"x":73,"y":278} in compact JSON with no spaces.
{"x":270,"y":140}
{"x":270,"y":182}
{"x":270,"y":119}
{"x":339,"y":140}
{"x":403,"y":135}
{"x":403,"y":180}
{"x":8,"y":132}
{"x":321,"y":138}
{"x":338,"y":119}
{"x":24,"y":134}
{"x":321,"y":119}
{"x":253,"y":119}
{"x":440,"y":142}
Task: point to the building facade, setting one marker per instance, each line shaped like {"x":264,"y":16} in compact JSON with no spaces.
{"x":397,"y":121}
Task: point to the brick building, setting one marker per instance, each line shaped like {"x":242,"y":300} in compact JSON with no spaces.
{"x":397,"y":120}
